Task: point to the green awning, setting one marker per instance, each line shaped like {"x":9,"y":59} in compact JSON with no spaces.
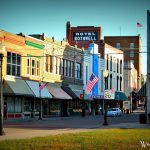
{"x":120,"y":96}
{"x":16,"y":87}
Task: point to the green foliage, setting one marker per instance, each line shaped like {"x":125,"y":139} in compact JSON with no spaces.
{"x":107,"y":139}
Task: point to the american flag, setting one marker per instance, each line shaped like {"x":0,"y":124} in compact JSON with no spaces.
{"x":42,"y":86}
{"x":92,"y":81}
{"x":139,"y":25}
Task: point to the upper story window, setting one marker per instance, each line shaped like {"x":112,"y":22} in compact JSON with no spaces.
{"x":67,"y":68}
{"x":78,"y":70}
{"x":13,"y":64}
{"x":49,"y":63}
{"x":107,"y":59}
{"x":120,"y":66}
{"x":131,"y":45}
{"x":118,"y":45}
{"x":117,"y":65}
{"x":110,"y":63}
{"x":131,"y":53}
{"x":33,"y":66}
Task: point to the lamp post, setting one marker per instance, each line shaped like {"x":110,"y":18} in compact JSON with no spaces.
{"x":1,"y":96}
{"x":105,"y":74}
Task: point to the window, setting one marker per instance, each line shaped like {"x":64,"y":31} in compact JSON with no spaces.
{"x":86,"y":70}
{"x":63,"y":64}
{"x":118,"y":45}
{"x":49,"y":63}
{"x":131,"y":45}
{"x":120,"y":66}
{"x":28,"y":66}
{"x":72,"y":69}
{"x":110,"y":81}
{"x":69,"y":68}
{"x":66,"y":68}
{"x":117,"y":82}
{"x":27,"y":105}
{"x":33,"y":66}
{"x":78,"y":70}
{"x":117,"y":65}
{"x":13,"y":64}
{"x":38,"y":68}
{"x":131,"y":53}
{"x":14,"y":105}
{"x":110,"y":63}
{"x":120,"y":83}
{"x":107,"y":61}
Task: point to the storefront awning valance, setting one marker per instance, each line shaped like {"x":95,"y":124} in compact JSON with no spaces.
{"x":43,"y":93}
{"x":69,"y":91}
{"x":58,"y":93}
{"x":17,"y":87}
{"x":120,"y":96}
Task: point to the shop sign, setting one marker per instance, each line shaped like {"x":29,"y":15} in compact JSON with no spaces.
{"x":85,"y":36}
{"x":109,"y":94}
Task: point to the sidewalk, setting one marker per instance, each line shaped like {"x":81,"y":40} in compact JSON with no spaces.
{"x":54,"y":126}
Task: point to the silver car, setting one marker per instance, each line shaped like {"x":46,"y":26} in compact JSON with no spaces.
{"x":114,"y":112}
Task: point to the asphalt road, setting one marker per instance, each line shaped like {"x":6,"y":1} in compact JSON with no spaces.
{"x":18,"y":129}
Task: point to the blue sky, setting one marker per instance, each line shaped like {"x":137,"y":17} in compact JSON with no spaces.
{"x":50,"y":17}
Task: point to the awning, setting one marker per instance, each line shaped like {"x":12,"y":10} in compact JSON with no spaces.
{"x":75,"y":94}
{"x":120,"y":96}
{"x":43,"y":93}
{"x":17,"y":87}
{"x":58,"y":93}
{"x":78,"y":92}
{"x":68,"y":90}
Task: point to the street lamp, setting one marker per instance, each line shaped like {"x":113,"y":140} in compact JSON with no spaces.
{"x":105,"y":75}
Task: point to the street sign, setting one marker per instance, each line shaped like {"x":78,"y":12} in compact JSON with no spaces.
{"x":108,"y":94}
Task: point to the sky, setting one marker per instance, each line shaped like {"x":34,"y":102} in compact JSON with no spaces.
{"x":116,"y":17}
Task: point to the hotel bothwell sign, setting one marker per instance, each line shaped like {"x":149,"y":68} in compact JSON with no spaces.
{"x":85,"y":36}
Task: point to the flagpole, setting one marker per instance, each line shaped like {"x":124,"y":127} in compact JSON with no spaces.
{"x":137,"y":30}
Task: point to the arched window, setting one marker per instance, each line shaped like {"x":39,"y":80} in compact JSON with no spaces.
{"x":120,"y":66}
{"x":110,"y":81}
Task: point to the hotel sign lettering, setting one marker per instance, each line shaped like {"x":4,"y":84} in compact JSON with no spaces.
{"x":85,"y":36}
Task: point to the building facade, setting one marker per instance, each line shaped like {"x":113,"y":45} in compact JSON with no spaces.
{"x":131,"y":46}
{"x":83,"y":36}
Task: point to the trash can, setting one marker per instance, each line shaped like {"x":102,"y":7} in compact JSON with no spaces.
{"x":142,"y":118}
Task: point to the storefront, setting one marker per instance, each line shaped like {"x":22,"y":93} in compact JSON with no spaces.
{"x":75,"y":106}
{"x":59,"y":103}
{"x":42,"y":99}
{"x":18,"y":98}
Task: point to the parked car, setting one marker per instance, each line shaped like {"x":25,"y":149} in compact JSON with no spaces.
{"x":114,"y":112}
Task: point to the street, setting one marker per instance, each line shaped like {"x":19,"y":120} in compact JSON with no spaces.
{"x":51,"y":126}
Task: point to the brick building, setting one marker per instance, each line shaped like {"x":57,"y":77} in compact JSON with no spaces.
{"x":131,"y":45}
{"x":82,"y":36}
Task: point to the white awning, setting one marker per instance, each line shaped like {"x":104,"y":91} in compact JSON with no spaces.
{"x":43,"y":93}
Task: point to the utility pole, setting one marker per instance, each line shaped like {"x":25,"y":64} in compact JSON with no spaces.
{"x":1,"y":96}
{"x":148,"y":68}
